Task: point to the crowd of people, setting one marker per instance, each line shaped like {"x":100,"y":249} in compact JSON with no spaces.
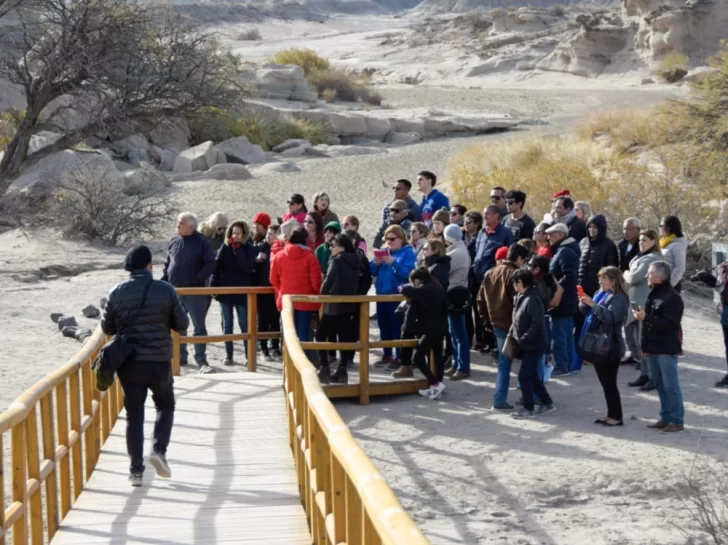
{"x":556,"y":294}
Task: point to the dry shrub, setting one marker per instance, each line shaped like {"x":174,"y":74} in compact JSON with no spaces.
{"x":269,"y":133}
{"x":704,"y":495}
{"x":9,"y":120}
{"x":673,"y":66}
{"x":85,"y":204}
{"x":307,"y":59}
{"x":625,"y":129}
{"x":329,"y":95}
{"x":252,"y":34}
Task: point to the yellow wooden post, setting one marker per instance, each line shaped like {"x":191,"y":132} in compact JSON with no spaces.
{"x":354,"y":522}
{"x":34,"y":501}
{"x":90,"y":433}
{"x":176,"y":354}
{"x":338,"y":486}
{"x":49,"y":453}
{"x":75,"y":402}
{"x":20,"y":482}
{"x":253,"y":331}
{"x":65,"y":465}
{"x":364,"y":354}
{"x":2,"y":488}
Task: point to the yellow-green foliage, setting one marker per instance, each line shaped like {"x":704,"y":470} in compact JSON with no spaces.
{"x":626,"y":129}
{"x":269,"y":134}
{"x":673,"y":66}
{"x":9,"y":120}
{"x":327,"y":82}
{"x":307,"y":59}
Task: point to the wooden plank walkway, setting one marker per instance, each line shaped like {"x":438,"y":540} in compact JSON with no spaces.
{"x":233,"y":474}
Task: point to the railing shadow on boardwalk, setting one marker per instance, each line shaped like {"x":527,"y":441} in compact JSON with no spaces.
{"x":58,"y":426}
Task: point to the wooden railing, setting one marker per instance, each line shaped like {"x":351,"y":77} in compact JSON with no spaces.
{"x":51,"y":462}
{"x":346,"y":499}
{"x":252,"y":335}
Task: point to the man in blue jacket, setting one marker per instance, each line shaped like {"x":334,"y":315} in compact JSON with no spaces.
{"x":433,"y":200}
{"x":564,"y":267}
{"x":190,"y":262}
{"x":495,"y":236}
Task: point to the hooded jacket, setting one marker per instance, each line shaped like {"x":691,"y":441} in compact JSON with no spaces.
{"x":439,"y":267}
{"x":459,"y":264}
{"x":595,"y":254}
{"x":342,"y":278}
{"x":296,"y":271}
{"x":149,"y":332}
{"x":391,"y":277}
{"x":234,"y":266}
{"x":529,"y":324}
{"x":675,"y":254}
{"x":564,"y":267}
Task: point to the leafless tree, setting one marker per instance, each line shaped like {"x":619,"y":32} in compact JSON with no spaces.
{"x":98,"y":67}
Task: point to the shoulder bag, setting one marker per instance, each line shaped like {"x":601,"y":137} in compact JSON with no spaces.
{"x":117,"y":351}
{"x":511,"y":350}
{"x":599,"y":346}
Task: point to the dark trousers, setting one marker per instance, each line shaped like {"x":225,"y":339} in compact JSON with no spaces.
{"x":269,"y":319}
{"x":475,"y":324}
{"x":530,"y":381}
{"x":331,"y":328}
{"x":136,"y":378}
{"x":607,"y":374}
{"x":420,"y":355}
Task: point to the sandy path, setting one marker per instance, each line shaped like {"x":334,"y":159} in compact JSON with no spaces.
{"x":473,"y":476}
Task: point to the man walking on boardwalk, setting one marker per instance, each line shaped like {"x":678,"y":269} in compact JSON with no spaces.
{"x":145,"y":310}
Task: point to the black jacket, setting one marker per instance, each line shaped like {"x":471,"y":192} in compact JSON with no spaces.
{"x":439,"y":266}
{"x":529,"y":323}
{"x":365,"y":274}
{"x":564,"y":267}
{"x":661,"y":328}
{"x":342,"y":278}
{"x":149,"y":333}
{"x":234,"y":267}
{"x":624,"y":256}
{"x":596,"y":254}
{"x":190,"y":261}
{"x":427,"y":312}
{"x":262,"y":268}
{"x":577,"y":229}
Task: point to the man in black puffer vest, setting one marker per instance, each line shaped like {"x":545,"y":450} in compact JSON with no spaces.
{"x":148,"y":331}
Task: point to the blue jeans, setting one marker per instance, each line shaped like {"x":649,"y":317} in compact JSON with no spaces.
{"x":303,"y":320}
{"x":196,"y":306}
{"x":503,"y":381}
{"x":460,"y":341}
{"x":667,"y":384}
{"x":390,"y":326}
{"x":226,"y":309}
{"x":562,"y":335}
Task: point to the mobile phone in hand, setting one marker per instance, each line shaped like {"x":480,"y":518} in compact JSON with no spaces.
{"x":580,"y":291}
{"x":635,"y":307}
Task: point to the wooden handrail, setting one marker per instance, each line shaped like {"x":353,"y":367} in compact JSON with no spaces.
{"x":345,"y":497}
{"x":252,"y":336}
{"x":57,"y":427}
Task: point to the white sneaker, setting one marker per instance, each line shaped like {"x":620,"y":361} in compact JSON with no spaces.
{"x":159,"y":463}
{"x":433,"y":392}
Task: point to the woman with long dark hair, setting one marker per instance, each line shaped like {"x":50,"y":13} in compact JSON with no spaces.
{"x":314,"y":225}
{"x":606,"y":312}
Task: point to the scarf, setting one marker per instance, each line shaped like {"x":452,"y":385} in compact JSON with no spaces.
{"x":665,"y":241}
{"x":568,"y":218}
{"x":235,"y":245}
{"x":600,"y":297}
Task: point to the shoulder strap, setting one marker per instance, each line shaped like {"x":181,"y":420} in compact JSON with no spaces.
{"x":133,"y":316}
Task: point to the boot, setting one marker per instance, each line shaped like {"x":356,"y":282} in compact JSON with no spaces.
{"x":229,"y":359}
{"x":405,"y":371}
{"x":340,"y":376}
{"x":641,"y":381}
{"x":648,"y":387}
{"x":324,"y":374}
{"x":722,"y":382}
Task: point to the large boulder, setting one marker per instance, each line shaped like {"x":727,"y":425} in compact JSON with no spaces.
{"x":164,"y":158}
{"x":273,"y":168}
{"x":40,"y":179}
{"x":134,"y":149}
{"x":229,"y":171}
{"x":198,"y":158}
{"x":291,"y":143}
{"x":288,"y":82}
{"x":403,"y":138}
{"x":347,"y":125}
{"x":41,"y":140}
{"x":144,"y":177}
{"x":377,"y":129}
{"x":240,"y":150}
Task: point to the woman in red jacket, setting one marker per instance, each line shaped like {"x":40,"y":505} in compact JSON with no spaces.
{"x":296,"y":271}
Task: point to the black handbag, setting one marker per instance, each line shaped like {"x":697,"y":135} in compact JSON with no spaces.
{"x":599,"y":347}
{"x":118,"y":350}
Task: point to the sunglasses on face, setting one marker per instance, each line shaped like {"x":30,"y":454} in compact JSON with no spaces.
{"x":391,"y":239}
{"x":511,"y":202}
{"x":468,"y":222}
{"x":395,"y":210}
{"x":495,"y":198}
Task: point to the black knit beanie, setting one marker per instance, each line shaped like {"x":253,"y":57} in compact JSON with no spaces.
{"x":137,"y":258}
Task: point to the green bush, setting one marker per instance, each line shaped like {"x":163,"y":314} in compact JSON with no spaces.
{"x":307,"y":59}
{"x":9,"y":120}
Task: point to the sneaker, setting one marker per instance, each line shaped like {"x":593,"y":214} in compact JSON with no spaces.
{"x":523,"y":412}
{"x":394,"y":365}
{"x":136,"y":479}
{"x":722,"y":382}
{"x":459,"y":375}
{"x":404,"y":371}
{"x":228,"y":360}
{"x":560,"y":373}
{"x":503,"y":407}
{"x":542,"y":410}
{"x":340,"y":376}
{"x":672,"y":428}
{"x":648,"y":387}
{"x":324,"y":374}
{"x":206,"y":369}
{"x":159,"y":462}
{"x":433,"y":392}
{"x":386,"y":360}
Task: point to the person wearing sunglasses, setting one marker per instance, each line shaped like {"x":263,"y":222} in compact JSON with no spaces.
{"x":296,"y":209}
{"x":399,"y":214}
{"x":520,"y":223}
{"x":391,"y":271}
{"x":498,"y":198}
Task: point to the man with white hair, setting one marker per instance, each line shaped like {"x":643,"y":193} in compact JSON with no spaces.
{"x":661,"y":320}
{"x":190,"y":262}
{"x":630,"y":245}
{"x":583,"y":210}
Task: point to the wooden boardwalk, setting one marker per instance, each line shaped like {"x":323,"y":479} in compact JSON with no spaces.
{"x":233,"y":474}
